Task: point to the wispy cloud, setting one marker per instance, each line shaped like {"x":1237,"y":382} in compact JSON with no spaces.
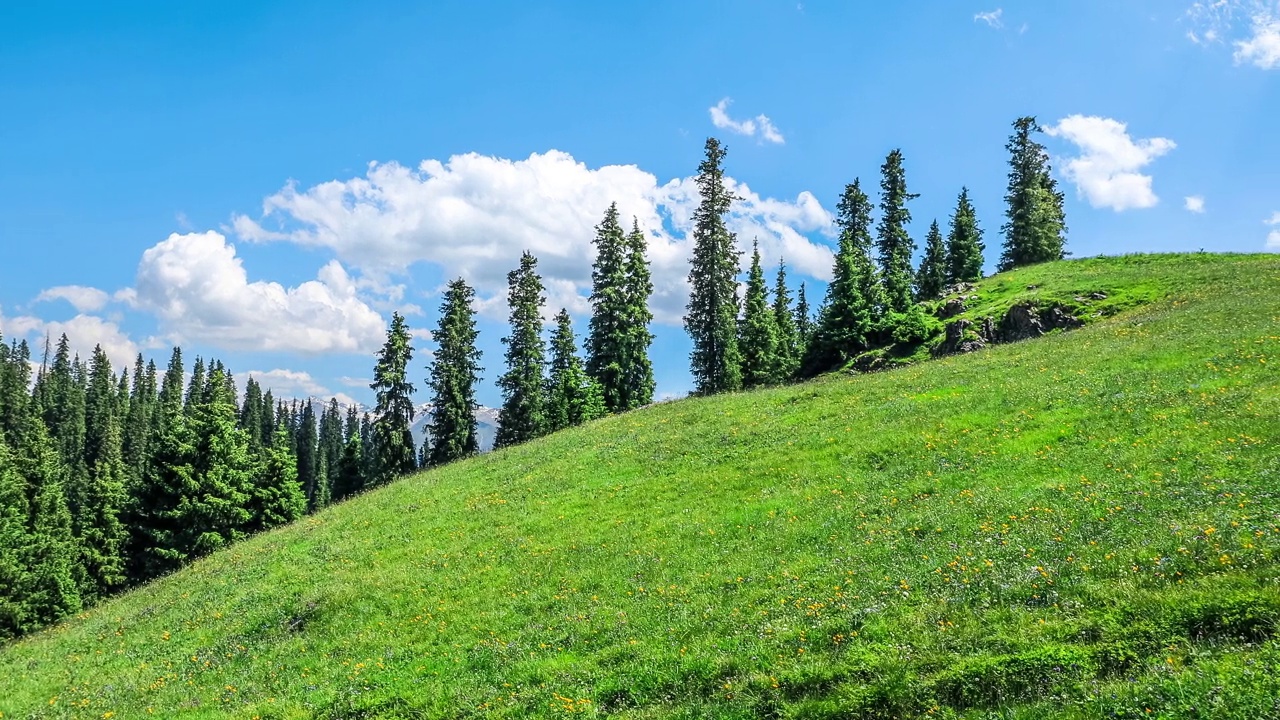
{"x":1194,"y":203}
{"x":760,"y":125}
{"x":1273,"y":237}
{"x":991,"y":18}
{"x":1251,"y":26}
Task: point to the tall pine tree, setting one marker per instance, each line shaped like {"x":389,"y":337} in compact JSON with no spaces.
{"x":892,"y":239}
{"x":964,"y":243}
{"x":711,"y":318}
{"x":607,"y":332}
{"x":522,"y":417}
{"x":573,"y":397}
{"x":393,"y":415}
{"x":454,"y":373}
{"x":638,"y":382}
{"x":785,"y":321}
{"x":804,"y":320}
{"x":849,"y":311}
{"x":931,"y":278}
{"x":757,"y":329}
{"x":1035,"y":228}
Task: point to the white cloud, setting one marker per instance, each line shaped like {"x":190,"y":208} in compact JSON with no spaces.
{"x":760,"y":124}
{"x":1106,"y":171}
{"x":355,"y":382}
{"x":83,"y":299}
{"x":1194,"y":203}
{"x":473,"y":215}
{"x":1252,"y":26}
{"x":1262,"y":48}
{"x":1273,"y":237}
{"x":83,"y":333}
{"x":991,"y":18}
{"x":198,"y":288}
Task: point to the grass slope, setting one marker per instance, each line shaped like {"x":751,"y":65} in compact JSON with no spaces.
{"x":1080,"y":526}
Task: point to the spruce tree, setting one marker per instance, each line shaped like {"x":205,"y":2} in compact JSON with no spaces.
{"x":454,"y":373}
{"x":931,"y":278}
{"x":788,"y":335}
{"x":573,"y":397}
{"x":331,"y":445}
{"x":393,"y":415}
{"x":522,"y":417}
{"x":195,"y":388}
{"x":804,"y":320}
{"x":1035,"y":227}
{"x":307,"y":462}
{"x":51,"y":559}
{"x":849,"y":312}
{"x":892,"y":240}
{"x":712,"y":312}
{"x":223,"y":468}
{"x":638,"y":382}
{"x":14,"y":540}
{"x":606,"y":337}
{"x":964,"y":243}
{"x":276,"y":497}
{"x":251,"y":416}
{"x":350,"y":477}
{"x":99,"y":532}
{"x":757,"y":329}
{"x":15,"y":379}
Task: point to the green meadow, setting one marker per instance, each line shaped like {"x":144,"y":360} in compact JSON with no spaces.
{"x":1084,"y":525}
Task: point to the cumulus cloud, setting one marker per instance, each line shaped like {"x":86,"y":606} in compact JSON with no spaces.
{"x":1262,"y":47}
{"x":198,"y":289}
{"x":83,"y":299}
{"x":1273,"y":237}
{"x":473,"y":215}
{"x":991,"y":18}
{"x":1194,"y":203}
{"x":1106,"y":171}
{"x":760,"y":125}
{"x":83,"y":332}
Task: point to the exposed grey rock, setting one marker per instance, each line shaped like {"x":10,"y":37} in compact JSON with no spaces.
{"x":1098,"y":296}
{"x":960,"y":338}
{"x":952,"y":308}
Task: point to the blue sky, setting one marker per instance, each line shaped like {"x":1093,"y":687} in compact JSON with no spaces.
{"x":266,"y":182}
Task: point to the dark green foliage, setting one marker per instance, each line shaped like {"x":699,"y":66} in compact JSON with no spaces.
{"x":223,"y":472}
{"x":14,"y":539}
{"x":15,"y":378}
{"x":573,"y":396}
{"x":964,"y":243}
{"x":711,"y":318}
{"x":307,"y":461}
{"x":393,"y":415}
{"x":195,"y":388}
{"x":51,"y":560}
{"x":276,"y":497}
{"x":789,"y":347}
{"x":1035,"y":227}
{"x":850,"y":310}
{"x":522,"y":417}
{"x":757,"y":330}
{"x":638,"y":382}
{"x":138,"y":422}
{"x":251,"y":420}
{"x":454,"y":372}
{"x":931,"y":278}
{"x":804,"y":320}
{"x":894,"y":244}
{"x":331,"y":443}
{"x":99,"y":532}
{"x":350,"y":477}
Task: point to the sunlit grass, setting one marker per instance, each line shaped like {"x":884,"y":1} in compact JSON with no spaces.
{"x":1084,"y":525}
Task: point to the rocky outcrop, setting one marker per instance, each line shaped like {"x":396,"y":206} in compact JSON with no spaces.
{"x":1021,"y":322}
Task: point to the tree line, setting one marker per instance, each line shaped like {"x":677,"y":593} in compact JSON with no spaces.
{"x":110,"y":480}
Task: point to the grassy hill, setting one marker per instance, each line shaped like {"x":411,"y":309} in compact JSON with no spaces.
{"x":1084,"y":525}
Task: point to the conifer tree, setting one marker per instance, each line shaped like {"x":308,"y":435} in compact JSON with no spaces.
{"x":931,"y":278}
{"x":251,"y":416}
{"x":606,"y":337}
{"x":308,"y":463}
{"x":331,"y":445}
{"x":964,"y":243}
{"x":522,"y":417}
{"x":223,"y":472}
{"x":788,"y":335}
{"x":51,"y":560}
{"x":1035,"y":227}
{"x":276,"y":497}
{"x":15,"y":379}
{"x":573,"y":397}
{"x":393,"y":415}
{"x":804,"y":320}
{"x":849,"y":312}
{"x":195,"y":388}
{"x":757,"y":329}
{"x":98,"y":530}
{"x":350,"y":477}
{"x":638,"y":379}
{"x":892,"y":240}
{"x":712,"y":312}
{"x":14,"y":539}
{"x":453,"y":375}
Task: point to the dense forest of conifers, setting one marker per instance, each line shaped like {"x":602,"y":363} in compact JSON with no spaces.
{"x":108,"y":480}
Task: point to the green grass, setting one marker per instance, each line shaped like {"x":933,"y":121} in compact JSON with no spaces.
{"x":1082,"y":526}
